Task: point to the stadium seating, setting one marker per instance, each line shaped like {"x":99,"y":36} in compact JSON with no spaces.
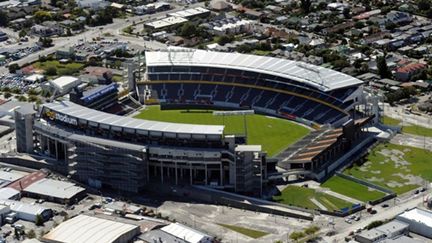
{"x":223,"y":92}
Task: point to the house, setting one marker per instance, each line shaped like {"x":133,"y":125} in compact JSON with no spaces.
{"x":220,"y":5}
{"x":47,"y":28}
{"x":397,"y":17}
{"x":338,"y":28}
{"x":93,"y":4}
{"x":407,"y":72}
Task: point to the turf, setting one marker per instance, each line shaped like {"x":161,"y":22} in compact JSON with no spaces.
{"x":245,"y":231}
{"x":62,"y":69}
{"x":410,"y":128}
{"x":352,"y":189}
{"x":385,"y":169}
{"x":301,"y":197}
{"x":273,"y":134}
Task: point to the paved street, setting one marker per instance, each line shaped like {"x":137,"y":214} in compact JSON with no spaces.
{"x":406,"y":117}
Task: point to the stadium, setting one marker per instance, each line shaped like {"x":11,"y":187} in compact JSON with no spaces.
{"x":124,"y":153}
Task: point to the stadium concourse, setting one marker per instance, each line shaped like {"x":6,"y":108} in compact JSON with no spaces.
{"x":119,"y":153}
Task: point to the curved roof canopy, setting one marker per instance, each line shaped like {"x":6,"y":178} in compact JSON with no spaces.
{"x":317,"y":77}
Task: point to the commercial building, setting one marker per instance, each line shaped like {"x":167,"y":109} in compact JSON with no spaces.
{"x":390,"y":230}
{"x":99,"y":97}
{"x":4,"y":210}
{"x":186,"y":234}
{"x":165,"y":23}
{"x":198,"y":12}
{"x":9,"y":193}
{"x":55,"y":191}
{"x":64,"y":84}
{"x":83,"y":228}
{"x":419,"y":220}
{"x":27,"y":211}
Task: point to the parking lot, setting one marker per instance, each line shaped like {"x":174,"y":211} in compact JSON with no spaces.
{"x":16,"y":83}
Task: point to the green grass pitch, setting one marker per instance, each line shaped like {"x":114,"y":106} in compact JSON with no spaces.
{"x":273,"y":134}
{"x":352,"y":189}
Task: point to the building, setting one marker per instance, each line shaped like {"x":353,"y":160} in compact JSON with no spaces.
{"x":83,"y":228}
{"x":186,"y":234}
{"x":125,"y":154}
{"x":55,"y":191}
{"x":166,"y":22}
{"x":9,"y":193}
{"x":35,"y":78}
{"x":390,"y":230}
{"x":419,"y":220}
{"x":93,"y":4}
{"x":407,"y":72}
{"x":27,"y":211}
{"x":64,"y":84}
{"x":99,"y":97}
{"x":198,"y":12}
{"x":23,"y":126}
{"x":230,"y":26}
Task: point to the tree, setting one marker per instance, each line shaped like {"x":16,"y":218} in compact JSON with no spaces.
{"x":39,"y":220}
{"x":69,"y":32}
{"x":224,"y":39}
{"x":41,"y":16}
{"x":4,"y":20}
{"x":296,"y":235}
{"x":305,"y":5}
{"x":45,"y":41}
{"x":346,"y":13}
{"x":188,"y":30}
{"x":374,"y":224}
{"x":424,"y":5}
{"x":7,"y":95}
{"x":51,"y":71}
{"x":383,"y":69}
{"x":311,"y":230}
{"x":22,"y":33}
{"x":31,"y":234}
{"x":13,"y":67}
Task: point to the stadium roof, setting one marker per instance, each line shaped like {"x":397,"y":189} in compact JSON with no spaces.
{"x":74,"y":110}
{"x":54,"y":188}
{"x":318,"y":77}
{"x":83,"y":228}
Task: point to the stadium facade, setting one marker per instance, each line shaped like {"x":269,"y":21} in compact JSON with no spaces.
{"x":125,"y":154}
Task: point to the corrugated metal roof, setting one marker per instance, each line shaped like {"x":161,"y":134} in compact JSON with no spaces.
{"x":54,"y":188}
{"x":315,"y":76}
{"x":83,"y":228}
{"x":185,"y":233}
{"x":84,"y":113}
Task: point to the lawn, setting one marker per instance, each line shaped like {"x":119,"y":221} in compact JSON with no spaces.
{"x":385,"y":169}
{"x":62,"y":69}
{"x":245,"y":231}
{"x":273,"y":134}
{"x":352,"y":189}
{"x":301,"y":197}
{"x":410,"y":128}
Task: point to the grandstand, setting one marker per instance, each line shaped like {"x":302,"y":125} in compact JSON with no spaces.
{"x":305,"y":93}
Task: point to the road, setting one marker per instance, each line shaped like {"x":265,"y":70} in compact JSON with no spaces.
{"x":413,"y":141}
{"x":398,"y":112}
{"x":382,"y":214}
{"x":115,"y":29}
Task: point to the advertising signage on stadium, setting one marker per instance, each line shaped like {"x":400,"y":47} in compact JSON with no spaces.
{"x":108,"y":89}
{"x":54,"y":116}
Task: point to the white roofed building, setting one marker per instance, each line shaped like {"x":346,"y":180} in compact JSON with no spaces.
{"x":83,"y":228}
{"x":419,"y":220}
{"x":64,"y":84}
{"x":54,"y":190}
{"x":187,"y":234}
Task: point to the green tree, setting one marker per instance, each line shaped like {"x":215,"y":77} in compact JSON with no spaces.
{"x":39,"y":220}
{"x":22,"y":33}
{"x":305,"y":5}
{"x":374,"y":224}
{"x":383,"y":69}
{"x":13,"y":67}
{"x":296,"y":235}
{"x":45,"y":41}
{"x":4,"y":20}
{"x":41,"y":16}
{"x":311,"y":230}
{"x":224,"y":39}
{"x":51,"y":71}
{"x":7,"y":95}
{"x":31,"y":234}
{"x":188,"y":30}
{"x":424,"y":5}
{"x":69,"y":32}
